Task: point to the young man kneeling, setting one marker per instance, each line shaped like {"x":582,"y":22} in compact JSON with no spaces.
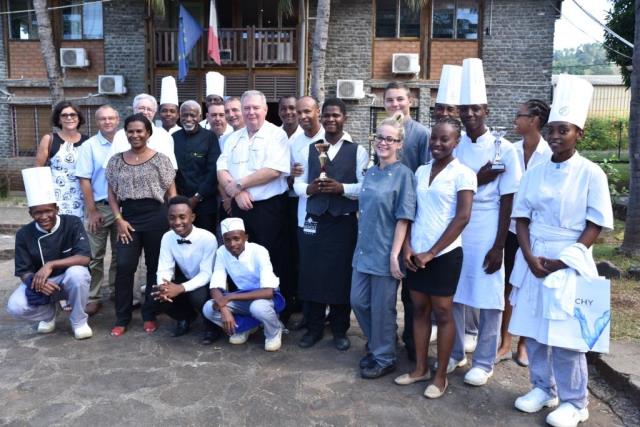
{"x":248,"y":265}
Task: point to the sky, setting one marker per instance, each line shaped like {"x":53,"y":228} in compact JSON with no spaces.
{"x":567,"y":35}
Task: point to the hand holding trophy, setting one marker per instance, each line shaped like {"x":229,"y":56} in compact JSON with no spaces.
{"x":323,"y":147}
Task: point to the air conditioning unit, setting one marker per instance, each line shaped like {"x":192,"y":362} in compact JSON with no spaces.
{"x":405,"y":63}
{"x":350,"y":89}
{"x":111,"y":85}
{"x":73,"y":57}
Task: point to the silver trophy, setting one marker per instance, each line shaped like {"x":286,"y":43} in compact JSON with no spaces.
{"x":498,"y":132}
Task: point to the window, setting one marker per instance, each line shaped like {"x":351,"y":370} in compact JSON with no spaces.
{"x":82,"y":21}
{"x":395,"y":19}
{"x":455,"y":19}
{"x":22,"y":25}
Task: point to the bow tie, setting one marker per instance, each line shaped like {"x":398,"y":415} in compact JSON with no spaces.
{"x":181,"y":241}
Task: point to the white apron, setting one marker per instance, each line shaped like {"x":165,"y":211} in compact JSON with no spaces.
{"x":475,"y":287}
{"x":67,"y":187}
{"x":526,"y":297}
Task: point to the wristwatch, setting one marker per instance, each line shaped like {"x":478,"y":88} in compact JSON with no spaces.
{"x":198,"y":197}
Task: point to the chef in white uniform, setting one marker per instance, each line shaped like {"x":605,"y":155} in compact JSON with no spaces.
{"x":481,"y":282}
{"x":552,"y":216}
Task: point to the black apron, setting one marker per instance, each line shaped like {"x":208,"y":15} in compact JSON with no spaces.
{"x":326,"y":250}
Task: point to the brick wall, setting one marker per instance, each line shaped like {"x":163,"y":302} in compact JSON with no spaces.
{"x":25,"y":59}
{"x":517,"y":56}
{"x":383,"y":51}
{"x":450,"y":52}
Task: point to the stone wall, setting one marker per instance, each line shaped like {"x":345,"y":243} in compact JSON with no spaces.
{"x":517,"y":55}
{"x":5,"y":115}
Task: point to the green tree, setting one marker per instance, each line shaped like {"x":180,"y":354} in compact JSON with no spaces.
{"x":621,"y":19}
{"x":588,"y":58}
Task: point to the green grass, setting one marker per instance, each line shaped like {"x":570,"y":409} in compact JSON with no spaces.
{"x":625,"y":292}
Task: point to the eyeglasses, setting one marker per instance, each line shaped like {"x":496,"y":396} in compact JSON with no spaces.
{"x":69,"y":115}
{"x":141,"y":109}
{"x":523,"y":115}
{"x":387,"y":139}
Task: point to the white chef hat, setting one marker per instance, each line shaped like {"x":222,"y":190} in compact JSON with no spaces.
{"x":472,"y":90}
{"x":231,"y":224}
{"x":38,"y":184}
{"x":571,"y":100}
{"x":169,"y":91}
{"x":450,"y":82}
{"x":215,"y":83}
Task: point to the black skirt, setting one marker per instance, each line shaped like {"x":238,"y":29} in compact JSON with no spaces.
{"x":439,"y":277}
{"x":325,"y":259}
{"x":145,"y":214}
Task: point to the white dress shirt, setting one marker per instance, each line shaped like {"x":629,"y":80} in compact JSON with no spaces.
{"x":437,"y":203}
{"x":267,"y":148}
{"x":294,"y":135}
{"x":251,"y":270}
{"x":351,"y":191}
{"x":194,"y":259}
{"x":175,"y":128}
{"x":159,"y":141}
{"x":299,"y":154}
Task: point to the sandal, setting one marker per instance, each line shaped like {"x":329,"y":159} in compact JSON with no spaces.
{"x":117,"y":331}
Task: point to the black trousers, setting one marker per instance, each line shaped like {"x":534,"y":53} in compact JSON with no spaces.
{"x":127,"y":257}
{"x":407,"y":333}
{"x":206,"y":221}
{"x":266,"y":225}
{"x":339,"y":318}
{"x":294,"y":253}
{"x":185,"y":306}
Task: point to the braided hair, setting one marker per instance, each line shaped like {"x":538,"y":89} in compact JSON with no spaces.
{"x":540,"y":109}
{"x":455,"y":123}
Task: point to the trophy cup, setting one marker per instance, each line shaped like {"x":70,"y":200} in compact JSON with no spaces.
{"x":322,"y":148}
{"x":498,"y":133}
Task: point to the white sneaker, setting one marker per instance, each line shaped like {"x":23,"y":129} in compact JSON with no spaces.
{"x":273,"y":344}
{"x":453,"y":364}
{"x":45,"y":327}
{"x":567,"y":415}
{"x":242,"y":337}
{"x":535,"y":400}
{"x":470,"y":343}
{"x":82,"y":332}
{"x":477,"y":377}
{"x":434,"y":334}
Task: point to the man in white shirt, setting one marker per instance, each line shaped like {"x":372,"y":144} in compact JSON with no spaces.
{"x":287,"y":113}
{"x":248,"y":265}
{"x":181,"y":292}
{"x":253,"y":169}
{"x":216,"y":121}
{"x":160,"y":139}
{"x":99,"y":219}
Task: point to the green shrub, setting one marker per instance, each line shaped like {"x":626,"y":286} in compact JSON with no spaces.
{"x":603,"y":133}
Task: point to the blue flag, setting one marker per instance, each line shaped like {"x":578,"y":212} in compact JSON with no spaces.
{"x":189,"y":31}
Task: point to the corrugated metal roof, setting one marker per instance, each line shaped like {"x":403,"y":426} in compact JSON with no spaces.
{"x":597,"y":80}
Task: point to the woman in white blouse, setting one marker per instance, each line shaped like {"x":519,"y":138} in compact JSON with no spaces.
{"x":532,"y":149}
{"x":433,"y":252}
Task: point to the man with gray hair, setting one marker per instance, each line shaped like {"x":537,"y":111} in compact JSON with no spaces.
{"x":197,"y":151}
{"x":252,"y":171}
{"x":160,"y":139}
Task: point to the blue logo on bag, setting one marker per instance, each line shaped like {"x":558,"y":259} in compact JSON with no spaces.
{"x":591,"y":337}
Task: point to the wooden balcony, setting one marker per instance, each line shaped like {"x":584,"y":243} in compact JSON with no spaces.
{"x":248,"y":47}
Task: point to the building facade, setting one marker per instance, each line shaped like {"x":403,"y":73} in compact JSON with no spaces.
{"x":264,"y":49}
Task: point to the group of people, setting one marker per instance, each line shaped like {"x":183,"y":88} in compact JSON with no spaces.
{"x":305,"y":221}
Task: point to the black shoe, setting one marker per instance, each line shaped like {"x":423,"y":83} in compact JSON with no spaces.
{"x":341,"y":343}
{"x":367,"y":362}
{"x":209,"y":337}
{"x":377,"y":371}
{"x":182,"y":327}
{"x":308,"y":340}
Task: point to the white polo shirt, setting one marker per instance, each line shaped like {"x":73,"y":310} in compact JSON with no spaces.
{"x":268,"y":148}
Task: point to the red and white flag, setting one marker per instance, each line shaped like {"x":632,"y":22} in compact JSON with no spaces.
{"x":213,"y":49}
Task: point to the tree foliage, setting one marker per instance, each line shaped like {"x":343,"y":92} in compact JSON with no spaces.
{"x":585,"y":59}
{"x":621,"y":19}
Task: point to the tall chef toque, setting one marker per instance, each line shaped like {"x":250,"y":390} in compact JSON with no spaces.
{"x":169,"y":91}
{"x":231,"y":224}
{"x":472,"y":88}
{"x":38,"y":185}
{"x":571,"y":100}
{"x":215,"y":83}
{"x":449,"y":88}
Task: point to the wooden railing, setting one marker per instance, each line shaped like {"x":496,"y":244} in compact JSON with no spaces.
{"x":248,"y":47}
